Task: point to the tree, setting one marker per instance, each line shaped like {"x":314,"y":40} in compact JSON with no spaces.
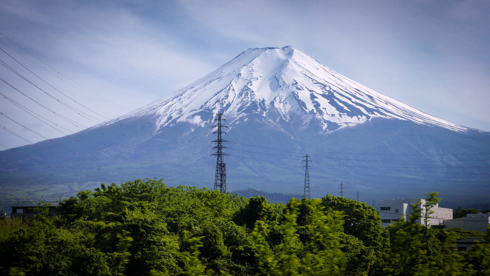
{"x":156,"y":218}
{"x":143,"y":227}
{"x":457,"y":212}
{"x":256,"y":209}
{"x":468,"y":211}
{"x":420,"y":250}
{"x":461,"y":213}
{"x":318,"y":254}
{"x":478,"y":257}
{"x":39,"y":248}
{"x":430,"y":203}
{"x":192,"y":258}
{"x":407,"y":249}
{"x":360,"y":220}
{"x":366,"y":246}
{"x":214,"y":251}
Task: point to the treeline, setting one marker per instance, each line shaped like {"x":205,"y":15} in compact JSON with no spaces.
{"x":271,"y":197}
{"x":146,"y":228}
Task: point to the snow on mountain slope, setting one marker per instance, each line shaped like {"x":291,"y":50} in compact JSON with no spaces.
{"x":281,"y":81}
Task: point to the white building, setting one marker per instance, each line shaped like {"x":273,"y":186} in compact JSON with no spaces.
{"x":393,"y":210}
{"x":472,"y":222}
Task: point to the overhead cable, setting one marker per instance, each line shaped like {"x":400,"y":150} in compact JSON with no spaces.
{"x":47,"y":108}
{"x":42,"y":79}
{"x":58,"y":73}
{"x":74,"y":109}
{"x":38,"y":116}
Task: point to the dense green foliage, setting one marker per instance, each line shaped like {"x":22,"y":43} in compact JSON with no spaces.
{"x":461,"y":213}
{"x":145,"y":228}
{"x":363,"y":238}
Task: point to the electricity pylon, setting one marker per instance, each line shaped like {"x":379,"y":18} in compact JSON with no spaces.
{"x":220,"y":178}
{"x":307,"y":192}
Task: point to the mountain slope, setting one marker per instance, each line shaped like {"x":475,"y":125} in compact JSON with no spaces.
{"x":279,"y":104}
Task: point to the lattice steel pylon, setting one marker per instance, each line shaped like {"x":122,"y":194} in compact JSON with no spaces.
{"x":220,"y":178}
{"x":307,"y":192}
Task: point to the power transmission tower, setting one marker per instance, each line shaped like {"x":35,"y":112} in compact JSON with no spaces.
{"x":220,"y":178}
{"x":341,"y":190}
{"x":307,"y":192}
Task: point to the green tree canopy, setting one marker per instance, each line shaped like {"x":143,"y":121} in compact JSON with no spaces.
{"x":363,"y":241}
{"x":143,"y":227}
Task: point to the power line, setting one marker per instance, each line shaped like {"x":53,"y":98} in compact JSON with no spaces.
{"x":424,"y":154}
{"x":265,"y":147}
{"x":42,"y":79}
{"x":45,"y":107}
{"x":35,"y":145}
{"x":15,"y":134}
{"x":390,"y":165}
{"x":363,"y":153}
{"x":19,"y":61}
{"x":74,"y":109}
{"x":36,"y":115}
{"x":262,"y":153}
{"x":287,"y":153}
{"x":373,"y":175}
{"x":405,"y":167}
{"x":399,"y":161}
{"x":1,"y":113}
{"x":353,"y":159}
{"x":58,"y":73}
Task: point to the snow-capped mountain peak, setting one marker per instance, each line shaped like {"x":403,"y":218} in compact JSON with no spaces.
{"x":279,"y":84}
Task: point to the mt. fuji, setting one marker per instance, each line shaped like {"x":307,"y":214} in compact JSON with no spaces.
{"x":279,"y":104}
{"x":280,"y":84}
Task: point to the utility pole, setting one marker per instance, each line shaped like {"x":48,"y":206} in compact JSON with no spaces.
{"x":357,"y":196}
{"x":341,"y":189}
{"x":220,"y":178}
{"x":307,"y":192}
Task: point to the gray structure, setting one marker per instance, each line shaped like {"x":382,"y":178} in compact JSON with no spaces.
{"x":220,"y":177}
{"x":473,"y":222}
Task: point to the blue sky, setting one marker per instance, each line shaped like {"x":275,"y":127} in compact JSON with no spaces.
{"x":112,"y":57}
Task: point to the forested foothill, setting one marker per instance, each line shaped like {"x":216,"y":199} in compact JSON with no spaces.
{"x":146,"y":228}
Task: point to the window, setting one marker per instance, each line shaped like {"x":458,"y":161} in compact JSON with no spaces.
{"x":19,"y":211}
{"x":385,"y":208}
{"x":396,"y":211}
{"x":386,"y":220}
{"x":461,"y":248}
